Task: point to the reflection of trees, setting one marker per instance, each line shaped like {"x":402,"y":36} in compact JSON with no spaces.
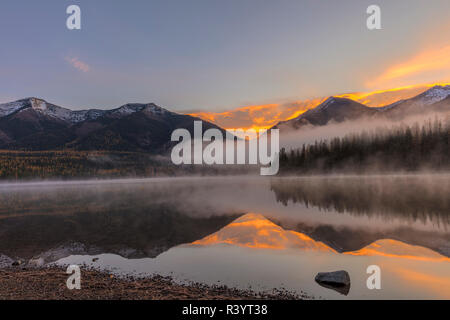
{"x":112,"y":219}
{"x":419,"y":198}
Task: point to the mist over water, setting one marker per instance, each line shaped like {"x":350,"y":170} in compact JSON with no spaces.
{"x":308,"y":134}
{"x":103,"y":212}
{"x":187,"y":227}
{"x":419,"y":198}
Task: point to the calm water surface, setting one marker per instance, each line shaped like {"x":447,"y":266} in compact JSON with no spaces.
{"x":256,"y":232}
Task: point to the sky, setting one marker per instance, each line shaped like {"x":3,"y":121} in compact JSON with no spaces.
{"x":218,"y":56}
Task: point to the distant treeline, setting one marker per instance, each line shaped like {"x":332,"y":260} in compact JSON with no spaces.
{"x":408,"y":148}
{"x":31,"y":165}
{"x":70,"y":164}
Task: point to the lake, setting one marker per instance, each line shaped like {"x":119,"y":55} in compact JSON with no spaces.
{"x":244,"y":231}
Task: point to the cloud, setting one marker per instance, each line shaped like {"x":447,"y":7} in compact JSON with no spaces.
{"x":267,"y":115}
{"x":434,"y":60}
{"x":384,"y":97}
{"x":78,"y":64}
{"x":258,"y":116}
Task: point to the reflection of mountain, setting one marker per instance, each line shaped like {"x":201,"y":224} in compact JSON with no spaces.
{"x":344,"y":239}
{"x":408,"y":197}
{"x":138,"y":232}
{"x":398,"y":249}
{"x":256,"y":231}
{"x":142,"y":219}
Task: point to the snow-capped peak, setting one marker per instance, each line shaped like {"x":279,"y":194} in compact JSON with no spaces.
{"x":67,"y":115}
{"x":389,"y":106}
{"x":435,"y":94}
{"x":136,"y":107}
{"x":38,"y":104}
{"x":324,"y":105}
{"x":154,"y":109}
{"x":128,"y":109}
{"x":11,"y":107}
{"x":52,"y":110}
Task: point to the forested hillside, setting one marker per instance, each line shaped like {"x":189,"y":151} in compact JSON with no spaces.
{"x":422,"y":146}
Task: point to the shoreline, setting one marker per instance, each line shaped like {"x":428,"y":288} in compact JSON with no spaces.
{"x":49,"y":283}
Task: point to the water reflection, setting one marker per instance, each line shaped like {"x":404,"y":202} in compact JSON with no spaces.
{"x":137,"y":229}
{"x":255,"y":231}
{"x":254,"y":252}
{"x":143,"y":218}
{"x":397,"y":249}
{"x":202,"y":229}
{"x":424,"y":198}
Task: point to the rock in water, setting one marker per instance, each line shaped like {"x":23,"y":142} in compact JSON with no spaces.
{"x":337,"y":280}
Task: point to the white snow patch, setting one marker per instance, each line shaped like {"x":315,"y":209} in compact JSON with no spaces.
{"x":434,"y":95}
{"x":74,"y":117}
{"x":10,"y":107}
{"x":324,"y":105}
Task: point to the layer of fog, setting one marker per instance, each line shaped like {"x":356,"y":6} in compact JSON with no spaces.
{"x":208,"y":196}
{"x":295,"y":138}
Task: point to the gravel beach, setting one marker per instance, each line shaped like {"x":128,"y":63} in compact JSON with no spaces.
{"x":23,"y":283}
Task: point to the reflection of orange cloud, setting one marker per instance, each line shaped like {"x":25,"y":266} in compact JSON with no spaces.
{"x":437,"y":283}
{"x":417,"y":267}
{"x":437,"y":59}
{"x":255,"y":231}
{"x":398,"y":249}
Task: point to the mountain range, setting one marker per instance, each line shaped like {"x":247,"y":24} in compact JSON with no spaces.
{"x":35,"y":124}
{"x":335,"y":110}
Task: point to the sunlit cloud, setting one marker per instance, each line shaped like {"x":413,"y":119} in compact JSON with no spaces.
{"x":421,"y":64}
{"x":267,"y":115}
{"x":258,"y":116}
{"x":384,"y":97}
{"x":78,"y":64}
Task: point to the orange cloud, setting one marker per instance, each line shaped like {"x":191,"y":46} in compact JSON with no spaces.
{"x":384,"y":97}
{"x":258,"y":116}
{"x":431,"y":60}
